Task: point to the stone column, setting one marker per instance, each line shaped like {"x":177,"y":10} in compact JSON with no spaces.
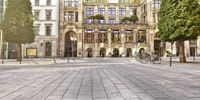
{"x":96,"y":42}
{"x":109,"y":49}
{"x":122,"y":36}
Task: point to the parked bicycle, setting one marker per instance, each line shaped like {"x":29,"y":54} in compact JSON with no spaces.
{"x":144,"y":57}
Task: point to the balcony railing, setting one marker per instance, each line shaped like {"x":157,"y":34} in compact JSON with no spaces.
{"x":115,"y":25}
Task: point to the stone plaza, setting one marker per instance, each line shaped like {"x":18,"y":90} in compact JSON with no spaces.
{"x":100,"y":79}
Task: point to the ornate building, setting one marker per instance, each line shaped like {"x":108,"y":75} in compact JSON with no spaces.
{"x":68,"y":28}
{"x":82,"y":36}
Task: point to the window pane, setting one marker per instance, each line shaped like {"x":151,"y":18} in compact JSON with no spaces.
{"x":48,"y":30}
{"x":48,"y":2}
{"x":48,"y":15}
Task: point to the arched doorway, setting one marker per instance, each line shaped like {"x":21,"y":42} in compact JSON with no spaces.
{"x":48,"y":49}
{"x":89,"y":52}
{"x":128,"y":52}
{"x":115,"y":52}
{"x":102,"y":52}
{"x":70,"y":44}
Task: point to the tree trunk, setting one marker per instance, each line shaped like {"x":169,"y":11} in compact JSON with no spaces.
{"x":19,"y":52}
{"x":182,"y":52}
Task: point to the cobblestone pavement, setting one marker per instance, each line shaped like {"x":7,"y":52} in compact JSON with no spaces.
{"x":101,"y":80}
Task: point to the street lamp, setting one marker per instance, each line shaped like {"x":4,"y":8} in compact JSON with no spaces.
{"x":2,"y":51}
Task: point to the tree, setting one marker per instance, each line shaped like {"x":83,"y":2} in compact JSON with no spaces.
{"x":179,"y":21}
{"x":17,"y":24}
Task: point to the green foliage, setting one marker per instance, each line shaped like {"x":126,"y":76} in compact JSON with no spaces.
{"x":125,"y":19}
{"x":17,"y":24}
{"x":133,"y":19}
{"x":98,"y":17}
{"x":130,"y":19}
{"x":179,"y":20}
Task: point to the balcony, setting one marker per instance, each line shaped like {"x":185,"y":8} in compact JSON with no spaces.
{"x":126,"y":26}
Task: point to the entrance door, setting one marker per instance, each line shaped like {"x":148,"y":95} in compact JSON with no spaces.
{"x":115,"y":52}
{"x":192,"y":51}
{"x":70,"y":44}
{"x":128,"y":52}
{"x":157,"y":47}
{"x":48,"y":49}
{"x":89,"y":52}
{"x":102,"y":52}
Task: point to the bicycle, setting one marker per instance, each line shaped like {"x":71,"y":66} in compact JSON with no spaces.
{"x":156,"y":59}
{"x":142,"y":57}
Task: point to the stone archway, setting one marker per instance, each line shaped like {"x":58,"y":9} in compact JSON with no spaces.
{"x":70,"y":44}
{"x":102,"y":52}
{"x":128,"y":52}
{"x":115,"y":52}
{"x":89,"y":52}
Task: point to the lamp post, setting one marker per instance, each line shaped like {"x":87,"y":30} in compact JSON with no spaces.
{"x":2,"y":50}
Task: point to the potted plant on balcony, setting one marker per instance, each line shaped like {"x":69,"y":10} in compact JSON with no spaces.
{"x":99,"y":18}
{"x":133,"y":19}
{"x":125,"y":20}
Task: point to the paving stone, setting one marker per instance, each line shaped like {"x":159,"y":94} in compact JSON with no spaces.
{"x":109,"y":79}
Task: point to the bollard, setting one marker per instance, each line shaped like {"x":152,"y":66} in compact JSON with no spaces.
{"x":170,"y":61}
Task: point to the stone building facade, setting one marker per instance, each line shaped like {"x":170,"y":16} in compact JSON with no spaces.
{"x":64,"y":28}
{"x":80,"y":36}
{"x":46,"y":19}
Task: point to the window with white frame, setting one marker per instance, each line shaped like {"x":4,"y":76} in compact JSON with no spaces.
{"x":122,"y":11}
{"x":89,"y":11}
{"x":112,"y":11}
{"x":101,"y":11}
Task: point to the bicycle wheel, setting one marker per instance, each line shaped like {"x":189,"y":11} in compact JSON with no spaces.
{"x":145,"y":59}
{"x":137,"y":57}
{"x":157,"y":60}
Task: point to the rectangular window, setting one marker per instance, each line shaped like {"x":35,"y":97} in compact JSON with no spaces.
{"x":48,"y":15}
{"x":48,"y":2}
{"x":129,"y":36}
{"x":89,"y":11}
{"x":101,"y":11}
{"x":65,"y":16}
{"x":141,"y":38}
{"x":112,"y":11}
{"x":102,"y":36}
{"x":37,"y":2}
{"x":65,"y":3}
{"x":70,"y":3}
{"x":144,"y":8}
{"x":48,"y":30}
{"x":157,"y":4}
{"x":76,"y":16}
{"x":36,"y":15}
{"x":76,"y":3}
{"x":133,"y":11}
{"x":71,"y":16}
{"x":112,"y":21}
{"x":116,"y":36}
{"x":122,"y":11}
{"x":89,"y":36}
{"x":37,"y":30}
